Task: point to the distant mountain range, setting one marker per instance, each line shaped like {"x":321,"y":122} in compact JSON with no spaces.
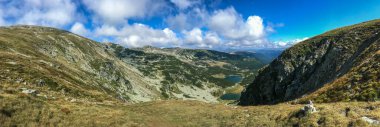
{"x":82,"y":68}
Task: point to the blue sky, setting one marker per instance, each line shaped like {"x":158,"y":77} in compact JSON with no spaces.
{"x":212,"y":24}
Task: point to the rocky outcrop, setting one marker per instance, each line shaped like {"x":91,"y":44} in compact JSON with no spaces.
{"x":309,"y":108}
{"x":370,"y":120}
{"x":309,"y":65}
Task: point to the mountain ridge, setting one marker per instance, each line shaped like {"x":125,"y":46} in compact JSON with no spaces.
{"x":71,"y":63}
{"x":309,"y":65}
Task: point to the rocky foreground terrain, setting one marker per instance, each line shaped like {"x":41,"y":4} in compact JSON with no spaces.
{"x":50,"y":77}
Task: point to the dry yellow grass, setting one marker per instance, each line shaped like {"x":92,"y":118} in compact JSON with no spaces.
{"x":21,"y":110}
{"x":217,"y":63}
{"x":221,"y":76}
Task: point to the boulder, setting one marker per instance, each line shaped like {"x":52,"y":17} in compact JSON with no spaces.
{"x":29,"y":91}
{"x":370,"y":120}
{"x":309,"y":108}
{"x":41,"y":83}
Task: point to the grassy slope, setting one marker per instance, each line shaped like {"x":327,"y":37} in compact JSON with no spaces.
{"x":20,"y":109}
{"x":68,"y":63}
{"x":20,"y":59}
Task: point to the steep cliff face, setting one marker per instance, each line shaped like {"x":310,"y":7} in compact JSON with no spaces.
{"x":310,"y":65}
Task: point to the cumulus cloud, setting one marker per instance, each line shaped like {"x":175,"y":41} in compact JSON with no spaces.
{"x":223,"y":23}
{"x":79,"y":28}
{"x":118,"y":11}
{"x":196,"y":17}
{"x":289,"y":43}
{"x":184,"y":4}
{"x":107,"y":30}
{"x":255,"y":26}
{"x":236,"y":31}
{"x":196,"y":38}
{"x":56,"y":13}
{"x":231,"y":25}
{"x":138,"y":35}
{"x":212,"y":38}
{"x":187,"y":23}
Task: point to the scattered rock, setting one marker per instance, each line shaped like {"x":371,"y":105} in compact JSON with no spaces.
{"x":309,"y":108}
{"x":321,"y":121}
{"x":369,"y":108}
{"x":41,"y":83}
{"x":346,"y":111}
{"x":29,"y":91}
{"x":370,"y":120}
{"x":42,"y":95}
{"x":73,"y":100}
{"x":19,"y":80}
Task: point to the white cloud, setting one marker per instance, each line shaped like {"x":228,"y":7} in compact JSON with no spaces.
{"x":118,"y":11}
{"x":107,"y":30}
{"x":227,"y":23}
{"x":255,"y":26}
{"x":196,"y":17}
{"x":56,"y":13}
{"x":225,"y":27}
{"x":79,"y":28}
{"x":138,"y":35}
{"x":194,"y":23}
{"x":178,"y":22}
{"x":236,"y":31}
{"x":212,"y":38}
{"x":194,"y":36}
{"x":197,"y":38}
{"x":184,"y":4}
{"x":231,"y":25}
{"x":289,"y":43}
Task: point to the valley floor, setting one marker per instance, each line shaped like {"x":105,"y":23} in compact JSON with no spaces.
{"x":26,"y":110}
